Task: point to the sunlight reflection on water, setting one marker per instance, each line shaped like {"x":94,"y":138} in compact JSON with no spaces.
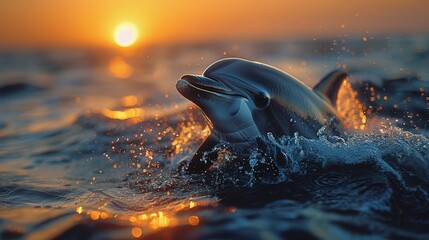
{"x":95,"y":149}
{"x":119,"y":68}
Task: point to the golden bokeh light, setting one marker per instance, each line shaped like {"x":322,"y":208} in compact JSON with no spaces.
{"x":136,"y":232}
{"x":124,"y":114}
{"x":149,"y":222}
{"x":129,"y":101}
{"x":125,"y":34}
{"x":95,"y":215}
{"x":79,"y":209}
{"x":119,"y":68}
{"x":193,"y":220}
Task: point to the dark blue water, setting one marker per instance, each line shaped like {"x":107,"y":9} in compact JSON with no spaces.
{"x":92,"y":144}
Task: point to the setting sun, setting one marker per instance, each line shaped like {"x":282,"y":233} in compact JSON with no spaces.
{"x":125,"y":34}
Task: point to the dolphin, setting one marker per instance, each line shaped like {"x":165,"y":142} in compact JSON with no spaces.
{"x":243,"y":99}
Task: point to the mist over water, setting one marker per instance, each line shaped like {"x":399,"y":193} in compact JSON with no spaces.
{"x":93,"y":144}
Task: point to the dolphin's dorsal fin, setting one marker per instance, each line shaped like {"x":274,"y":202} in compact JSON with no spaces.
{"x":328,"y":87}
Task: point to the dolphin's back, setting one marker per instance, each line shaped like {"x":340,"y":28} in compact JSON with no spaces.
{"x":294,"y":107}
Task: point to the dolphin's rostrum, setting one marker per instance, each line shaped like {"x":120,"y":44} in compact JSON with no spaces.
{"x":241,"y":100}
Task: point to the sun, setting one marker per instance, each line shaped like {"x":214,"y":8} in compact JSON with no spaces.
{"x":125,"y":34}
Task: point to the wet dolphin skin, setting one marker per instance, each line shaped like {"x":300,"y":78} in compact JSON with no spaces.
{"x":242,"y":99}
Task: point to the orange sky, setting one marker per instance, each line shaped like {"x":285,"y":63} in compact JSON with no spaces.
{"x":91,"y":22}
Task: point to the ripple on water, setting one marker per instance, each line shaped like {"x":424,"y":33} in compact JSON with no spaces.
{"x":72,"y":173}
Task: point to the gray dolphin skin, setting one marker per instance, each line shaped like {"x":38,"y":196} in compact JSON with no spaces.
{"x":242,"y":100}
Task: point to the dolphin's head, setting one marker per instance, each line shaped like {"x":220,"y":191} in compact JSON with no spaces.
{"x":229,"y":94}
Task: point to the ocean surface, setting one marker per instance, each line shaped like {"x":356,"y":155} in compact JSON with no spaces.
{"x":93,"y":143}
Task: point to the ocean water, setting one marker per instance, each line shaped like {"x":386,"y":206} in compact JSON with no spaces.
{"x":93,"y":144}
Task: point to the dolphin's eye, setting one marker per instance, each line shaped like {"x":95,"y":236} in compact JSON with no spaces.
{"x":261,"y":100}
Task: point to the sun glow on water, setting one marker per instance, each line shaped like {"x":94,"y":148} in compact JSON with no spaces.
{"x":125,"y":34}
